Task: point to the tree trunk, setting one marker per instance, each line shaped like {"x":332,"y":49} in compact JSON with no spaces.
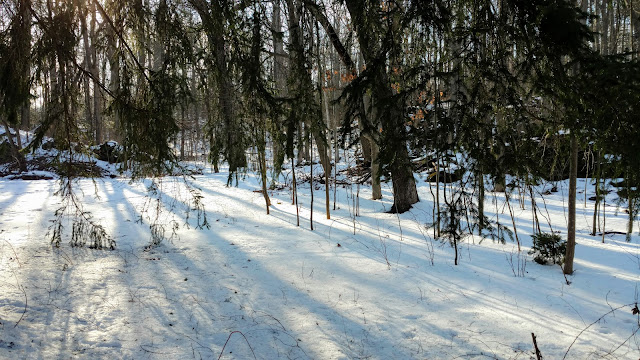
{"x":631,"y":201}
{"x":195,"y":143}
{"x":319,"y":137}
{"x":97,"y":93}
{"x":615,"y":27}
{"x":87,"y":67}
{"x":53,"y":104}
{"x":212,"y":14}
{"x":311,"y":182}
{"x":262,"y":163}
{"x":534,"y":210}
{"x":500,"y":184}
{"x":15,"y":152}
{"x":513,"y":220}
{"x":571,"y":226}
{"x":183,"y":132}
{"x":604,"y":30}
{"x":405,"y":193}
{"x":597,"y":202}
{"x":25,"y":113}
{"x":437,"y":199}
{"x":300,"y":155}
{"x":376,"y":186}
{"x":328,"y":159}
{"x":634,"y":19}
{"x":294,"y":197}
{"x":235,"y":151}
{"x":371,"y":139}
{"x":366,"y":150}
{"x":480,"y":183}
{"x":114,"y":85}
{"x":25,"y":117}
{"x":384,"y":104}
{"x":280,"y":79}
{"x":140,"y":33}
{"x":632,"y":212}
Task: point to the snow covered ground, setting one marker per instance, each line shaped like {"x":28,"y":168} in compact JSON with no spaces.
{"x":257,"y":286}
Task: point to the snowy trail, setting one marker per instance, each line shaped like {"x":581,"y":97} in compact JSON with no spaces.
{"x":294,"y":293}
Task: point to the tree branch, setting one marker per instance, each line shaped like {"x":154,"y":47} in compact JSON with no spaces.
{"x":320,"y":15}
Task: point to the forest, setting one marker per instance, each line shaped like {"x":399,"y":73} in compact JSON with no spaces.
{"x":455,"y":116}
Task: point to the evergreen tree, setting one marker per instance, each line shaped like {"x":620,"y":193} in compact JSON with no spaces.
{"x":218,"y":20}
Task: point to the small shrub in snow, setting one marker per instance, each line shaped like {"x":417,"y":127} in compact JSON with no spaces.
{"x":548,"y":248}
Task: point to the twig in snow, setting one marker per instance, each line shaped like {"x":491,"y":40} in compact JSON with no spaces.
{"x":535,"y":346}
{"x":548,"y":217}
{"x":576,"y":311}
{"x":430,"y":243}
{"x":14,"y":252}
{"x":565,"y":275}
{"x":597,"y":321}
{"x":25,"y":300}
{"x":149,"y":351}
{"x":229,"y":338}
{"x":265,"y":314}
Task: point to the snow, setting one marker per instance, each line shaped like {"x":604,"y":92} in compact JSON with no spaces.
{"x":377,"y":287}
